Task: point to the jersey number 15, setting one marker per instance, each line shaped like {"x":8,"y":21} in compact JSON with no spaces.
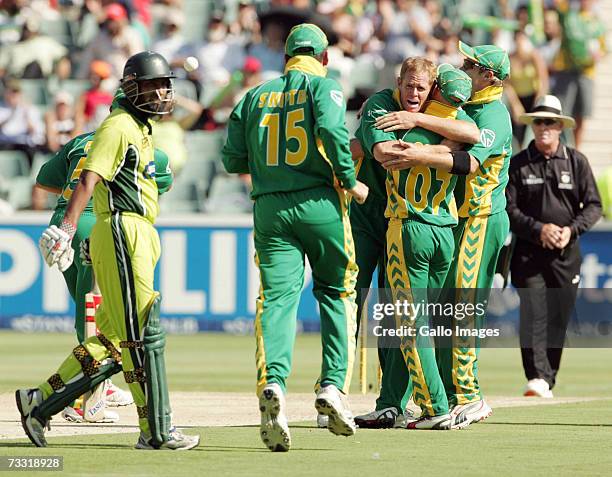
{"x":271,"y":121}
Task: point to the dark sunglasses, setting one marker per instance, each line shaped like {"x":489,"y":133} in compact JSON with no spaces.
{"x":545,"y":122}
{"x":468,"y":65}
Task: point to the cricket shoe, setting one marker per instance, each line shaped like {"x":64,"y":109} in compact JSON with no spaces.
{"x":465,"y":414}
{"x":382,"y":419}
{"x":274,"y":430}
{"x":322,"y":421}
{"x":402,"y":421}
{"x":331,"y":402}
{"x":442,"y":422}
{"x":538,"y":387}
{"x":73,"y":414}
{"x":117,"y":397}
{"x":176,"y":441}
{"x":27,"y":400}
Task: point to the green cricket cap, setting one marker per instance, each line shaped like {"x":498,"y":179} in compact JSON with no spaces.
{"x":306,"y":36}
{"x":491,"y":57}
{"x":455,"y":85}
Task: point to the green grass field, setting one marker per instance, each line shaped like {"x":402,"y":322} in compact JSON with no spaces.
{"x":557,"y":439}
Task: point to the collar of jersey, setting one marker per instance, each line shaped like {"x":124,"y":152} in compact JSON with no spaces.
{"x":435,"y":108}
{"x":397,"y":98}
{"x":486,"y":95}
{"x":140,"y":116}
{"x":306,"y":64}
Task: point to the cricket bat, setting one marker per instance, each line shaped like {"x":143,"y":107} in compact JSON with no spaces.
{"x":93,"y":401}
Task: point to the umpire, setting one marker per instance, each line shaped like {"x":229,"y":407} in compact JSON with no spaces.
{"x":552,"y":200}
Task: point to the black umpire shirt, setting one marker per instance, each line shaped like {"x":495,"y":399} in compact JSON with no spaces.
{"x":559,"y":190}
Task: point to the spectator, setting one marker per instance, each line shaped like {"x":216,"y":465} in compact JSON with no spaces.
{"x":93,"y":104}
{"x":219,"y":55}
{"x":34,"y":55}
{"x":115,"y":42}
{"x":246,"y":26}
{"x":552,"y":200}
{"x":552,"y":37}
{"x":528,"y":82}
{"x":583,"y":44}
{"x":60,"y":121}
{"x":271,"y":50}
{"x":171,"y":44}
{"x":21,"y":125}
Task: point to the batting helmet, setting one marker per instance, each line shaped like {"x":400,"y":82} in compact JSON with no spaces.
{"x":147,"y":83}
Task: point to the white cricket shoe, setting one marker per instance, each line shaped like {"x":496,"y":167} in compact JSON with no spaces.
{"x":73,"y":414}
{"x":465,"y":414}
{"x":402,"y":421}
{"x":27,"y":400}
{"x":382,"y":419}
{"x":176,"y":441}
{"x":436,"y":423}
{"x":117,"y":397}
{"x":331,"y":402}
{"x":274,"y":430}
{"x":538,"y":387}
{"x":322,"y":421}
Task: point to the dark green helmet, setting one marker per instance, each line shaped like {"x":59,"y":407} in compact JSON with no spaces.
{"x":142,"y":86}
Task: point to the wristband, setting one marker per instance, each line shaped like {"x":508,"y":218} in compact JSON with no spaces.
{"x":461,"y":163}
{"x":68,"y":227}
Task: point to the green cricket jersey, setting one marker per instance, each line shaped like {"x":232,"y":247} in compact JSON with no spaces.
{"x":370,"y":172}
{"x":482,"y":193}
{"x":63,"y":170}
{"x":289,"y":133}
{"x":424,"y":193}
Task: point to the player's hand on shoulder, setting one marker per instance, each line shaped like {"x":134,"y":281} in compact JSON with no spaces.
{"x":359,"y":192}
{"x":397,"y":120}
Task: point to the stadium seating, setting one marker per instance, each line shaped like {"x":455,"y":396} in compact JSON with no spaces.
{"x":13,"y":164}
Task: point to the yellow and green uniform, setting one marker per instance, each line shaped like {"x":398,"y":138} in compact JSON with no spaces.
{"x":289,"y":134}
{"x":124,"y":246}
{"x":368,"y":220}
{"x":422,"y":213}
{"x":62,"y":171}
{"x":479,"y":235}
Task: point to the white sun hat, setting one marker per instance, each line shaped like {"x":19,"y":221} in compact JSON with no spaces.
{"x":549,"y":107}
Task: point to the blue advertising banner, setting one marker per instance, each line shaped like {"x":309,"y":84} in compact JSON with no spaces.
{"x":206,"y":275}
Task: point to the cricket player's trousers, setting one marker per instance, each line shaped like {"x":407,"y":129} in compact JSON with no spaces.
{"x":124,"y":249}
{"x":289,"y":226}
{"x":478,"y":241}
{"x":418,"y":258}
{"x":78,"y":276}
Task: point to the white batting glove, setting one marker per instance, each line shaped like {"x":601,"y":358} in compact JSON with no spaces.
{"x":65,"y":259}
{"x":55,"y":245}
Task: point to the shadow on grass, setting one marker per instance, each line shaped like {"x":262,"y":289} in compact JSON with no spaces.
{"x":557,"y":424}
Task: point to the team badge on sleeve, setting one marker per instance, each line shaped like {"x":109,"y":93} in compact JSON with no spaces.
{"x":487,"y":137}
{"x":149,"y":170}
{"x":337,"y":97}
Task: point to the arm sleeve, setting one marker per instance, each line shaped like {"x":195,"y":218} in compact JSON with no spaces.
{"x":163,"y":173}
{"x":107,"y":151}
{"x":235,"y":153}
{"x":330,"y":127}
{"x":589,"y":197}
{"x":54,"y":172}
{"x":524,"y":226}
{"x":492,"y":138}
{"x":367,"y":133}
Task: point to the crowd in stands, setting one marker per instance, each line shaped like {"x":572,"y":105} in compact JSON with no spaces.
{"x":61,"y":60}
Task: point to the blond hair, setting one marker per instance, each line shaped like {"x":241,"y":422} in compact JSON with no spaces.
{"x":418,"y":65}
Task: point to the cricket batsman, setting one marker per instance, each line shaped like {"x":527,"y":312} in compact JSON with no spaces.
{"x":289,"y":133}
{"x":120,"y":173}
{"x":483,"y":222}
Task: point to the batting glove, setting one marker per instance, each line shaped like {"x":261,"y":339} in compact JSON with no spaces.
{"x":84,"y":252}
{"x":55,"y":245}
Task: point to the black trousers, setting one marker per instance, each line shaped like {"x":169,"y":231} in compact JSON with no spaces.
{"x":547,"y":284}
